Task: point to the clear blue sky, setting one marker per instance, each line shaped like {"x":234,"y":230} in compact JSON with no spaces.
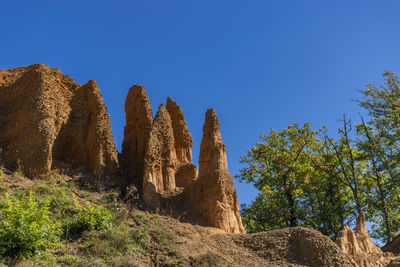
{"x":260,"y":64}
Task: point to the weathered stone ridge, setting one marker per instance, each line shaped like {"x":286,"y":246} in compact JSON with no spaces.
{"x":48,"y":121}
{"x":139,"y":118}
{"x":360,"y":247}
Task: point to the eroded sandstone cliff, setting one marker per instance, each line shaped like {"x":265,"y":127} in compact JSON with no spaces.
{"x":48,"y":121}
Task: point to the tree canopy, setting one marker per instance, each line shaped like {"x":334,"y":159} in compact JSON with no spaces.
{"x":307,"y":178}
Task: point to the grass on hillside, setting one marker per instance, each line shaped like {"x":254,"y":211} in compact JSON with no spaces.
{"x":94,"y":229}
{"x":67,"y":223}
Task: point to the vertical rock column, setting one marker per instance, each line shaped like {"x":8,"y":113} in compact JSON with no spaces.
{"x":139,"y":117}
{"x":214,"y":194}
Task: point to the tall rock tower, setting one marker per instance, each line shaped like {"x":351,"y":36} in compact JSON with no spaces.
{"x":139,"y":118}
{"x":214,"y":195}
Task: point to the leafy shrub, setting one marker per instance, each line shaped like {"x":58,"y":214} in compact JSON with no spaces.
{"x":59,"y":196}
{"x":88,"y":217}
{"x":25,"y":226}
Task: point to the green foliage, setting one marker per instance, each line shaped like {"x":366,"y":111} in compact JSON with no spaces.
{"x":296,"y":173}
{"x":87,"y":217}
{"x":279,"y":167}
{"x":306,"y":178}
{"x":289,"y":168}
{"x":26,"y":227}
{"x":115,"y":241}
{"x":379,"y":140}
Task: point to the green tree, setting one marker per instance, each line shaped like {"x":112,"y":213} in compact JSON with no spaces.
{"x":291,"y":173}
{"x":380,"y":143}
{"x":329,"y":199}
{"x":349,"y":164}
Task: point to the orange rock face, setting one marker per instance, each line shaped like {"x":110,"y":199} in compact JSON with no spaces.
{"x":48,"y":121}
{"x":183,"y":138}
{"x":170,"y":180}
{"x":186,"y":172}
{"x":160,"y":160}
{"x":360,"y":247}
{"x":139,"y":118}
{"x":214,"y":194}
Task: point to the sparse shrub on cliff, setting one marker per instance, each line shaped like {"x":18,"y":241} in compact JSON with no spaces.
{"x":25,"y":226}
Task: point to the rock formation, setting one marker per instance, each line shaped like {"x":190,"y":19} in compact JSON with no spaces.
{"x":139,"y":117}
{"x":160,"y":160}
{"x":214,"y":194}
{"x":360,"y":247}
{"x":169,"y":177}
{"x":48,"y":121}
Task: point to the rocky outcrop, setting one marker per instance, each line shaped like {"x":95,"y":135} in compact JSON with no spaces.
{"x":48,"y":121}
{"x":160,"y":160}
{"x":360,"y":247}
{"x":139,"y":118}
{"x":214,"y":194}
